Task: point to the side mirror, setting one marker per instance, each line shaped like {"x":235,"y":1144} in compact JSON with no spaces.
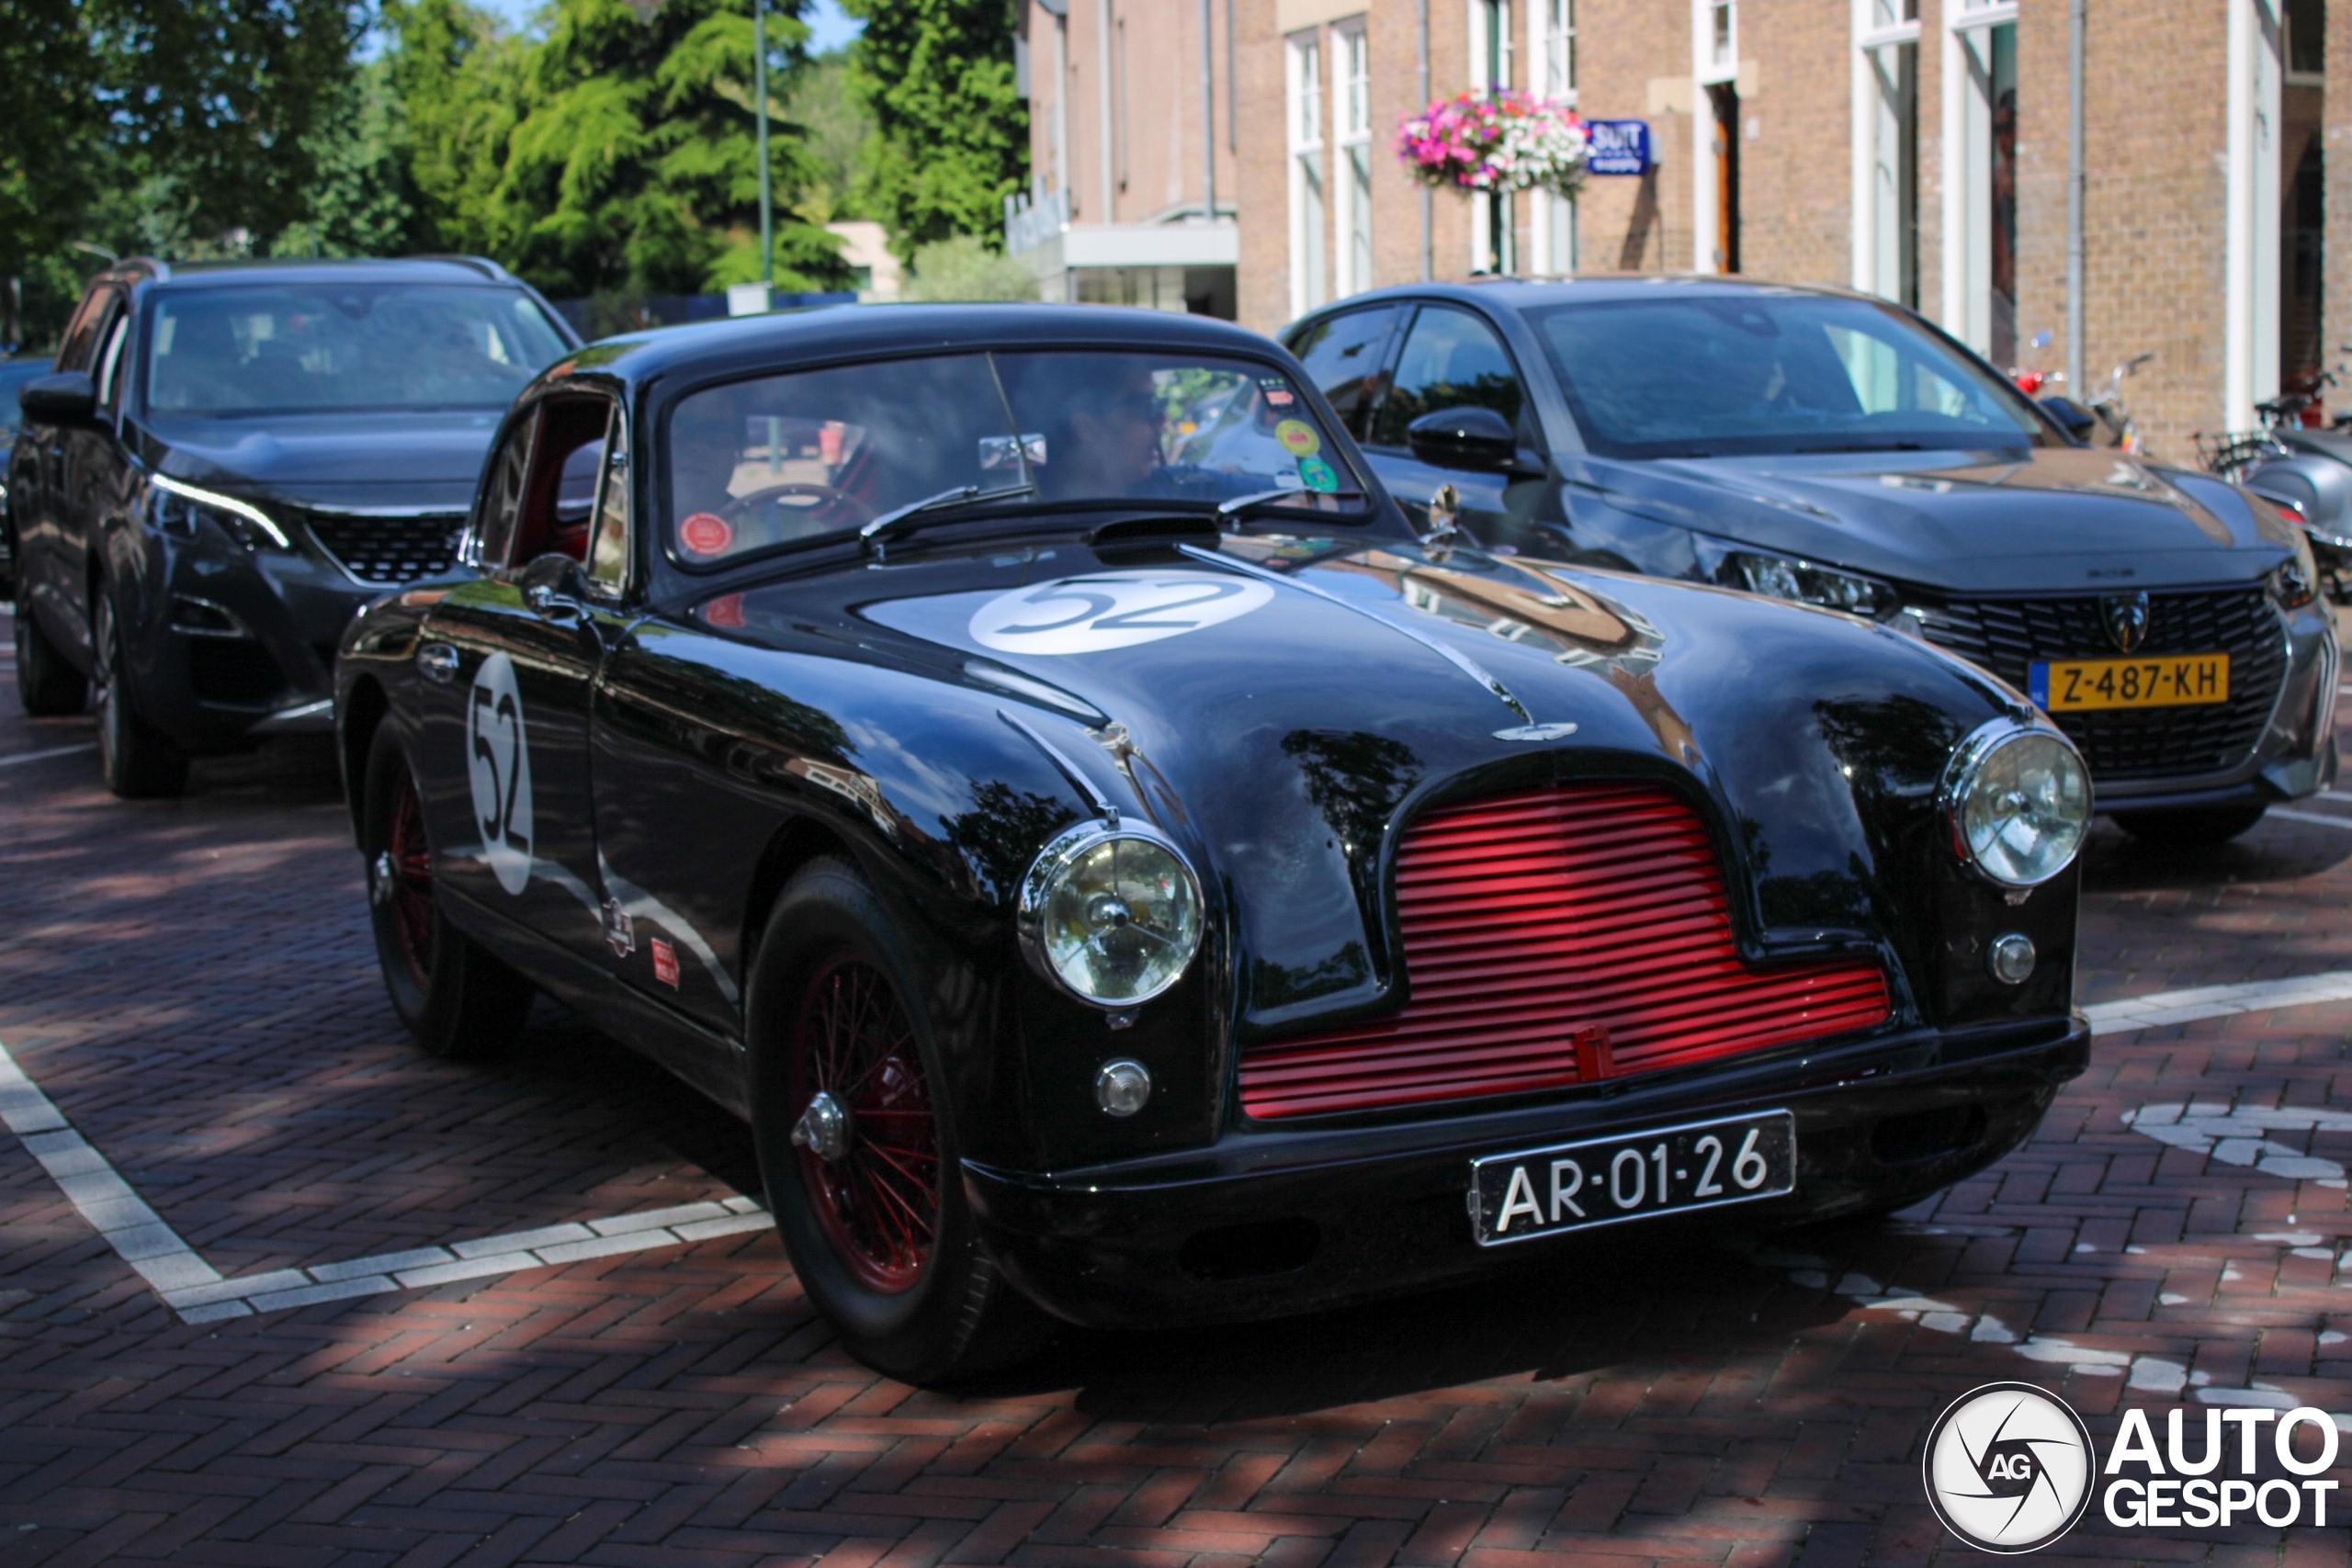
{"x":2072,"y":418}
{"x":65,"y":398}
{"x":1466,"y":437}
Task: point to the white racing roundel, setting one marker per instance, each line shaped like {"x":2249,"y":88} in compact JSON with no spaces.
{"x":1113,"y":609}
{"x":2009,"y":1468}
{"x":498,"y":760}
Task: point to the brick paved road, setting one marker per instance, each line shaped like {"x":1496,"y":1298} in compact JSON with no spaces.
{"x":190,"y":982}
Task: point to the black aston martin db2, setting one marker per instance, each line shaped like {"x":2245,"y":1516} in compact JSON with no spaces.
{"x":1021,"y":759}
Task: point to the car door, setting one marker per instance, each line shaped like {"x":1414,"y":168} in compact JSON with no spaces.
{"x":1451,"y":357}
{"x":510,"y":662}
{"x":69,"y":462}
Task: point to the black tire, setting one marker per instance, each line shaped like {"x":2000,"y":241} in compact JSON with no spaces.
{"x":47,"y":685}
{"x":458,"y":1000}
{"x":2188,"y":827}
{"x":138,"y":762}
{"x":835,"y":981}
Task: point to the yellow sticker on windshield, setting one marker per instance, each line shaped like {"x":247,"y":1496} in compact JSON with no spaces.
{"x":1299,"y":438}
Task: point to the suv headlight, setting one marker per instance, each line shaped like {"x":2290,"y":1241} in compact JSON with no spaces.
{"x":1111,"y":915}
{"x":1786,"y":577}
{"x":2294,"y":581}
{"x":177,"y":507}
{"x":2018,"y":801}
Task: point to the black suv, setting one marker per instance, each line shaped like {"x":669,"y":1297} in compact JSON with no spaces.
{"x":228,"y":462}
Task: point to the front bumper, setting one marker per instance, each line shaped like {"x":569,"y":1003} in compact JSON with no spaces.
{"x":1268,"y":1222}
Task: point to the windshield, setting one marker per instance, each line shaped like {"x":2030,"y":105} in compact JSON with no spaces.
{"x":304,"y":349}
{"x":1733,"y":374}
{"x":787,"y":459}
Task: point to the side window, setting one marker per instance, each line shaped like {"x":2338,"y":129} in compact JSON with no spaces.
{"x":1452,"y":358}
{"x":80,"y":348}
{"x":502,"y":492}
{"x":1342,"y":353}
{"x":558,"y":491}
{"x":608,"y":548}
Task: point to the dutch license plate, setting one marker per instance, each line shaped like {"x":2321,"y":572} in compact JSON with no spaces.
{"x":1603,"y":1182}
{"x":2169,"y":681}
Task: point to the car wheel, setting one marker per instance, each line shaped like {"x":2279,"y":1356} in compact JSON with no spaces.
{"x":857,"y":1143}
{"x":46,"y":684}
{"x":138,"y":762}
{"x":456,"y":999}
{"x":2188,"y":827}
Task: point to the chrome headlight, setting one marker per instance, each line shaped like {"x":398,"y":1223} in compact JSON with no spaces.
{"x":2018,"y":800}
{"x":1801,"y":581}
{"x":1111,"y":915}
{"x":178,"y":508}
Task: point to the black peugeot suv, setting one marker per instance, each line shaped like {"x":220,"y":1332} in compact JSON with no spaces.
{"x":227,"y":463}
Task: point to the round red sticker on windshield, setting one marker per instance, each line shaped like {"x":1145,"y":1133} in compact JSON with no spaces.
{"x":706,"y":533}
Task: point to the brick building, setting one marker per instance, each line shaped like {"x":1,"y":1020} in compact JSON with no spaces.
{"x":1915,"y":148}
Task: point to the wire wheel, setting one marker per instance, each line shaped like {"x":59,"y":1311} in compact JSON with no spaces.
{"x":406,"y":875}
{"x":874,"y":1179}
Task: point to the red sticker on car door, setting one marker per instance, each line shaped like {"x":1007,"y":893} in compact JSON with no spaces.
{"x":706,"y":533}
{"x":665,"y":964}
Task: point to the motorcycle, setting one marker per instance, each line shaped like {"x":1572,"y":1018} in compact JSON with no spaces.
{"x":2303,"y":470}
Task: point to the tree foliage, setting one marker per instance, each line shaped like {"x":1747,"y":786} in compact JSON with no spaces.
{"x":952,"y":139}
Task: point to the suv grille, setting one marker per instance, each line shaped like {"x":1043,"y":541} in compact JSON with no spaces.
{"x":389,"y":550}
{"x":2006,"y":635}
{"x":1553,"y":924}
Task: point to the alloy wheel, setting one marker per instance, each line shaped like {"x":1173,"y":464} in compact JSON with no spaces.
{"x":403,"y":879}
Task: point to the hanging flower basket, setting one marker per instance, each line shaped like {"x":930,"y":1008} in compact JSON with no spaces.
{"x":1495,"y":141}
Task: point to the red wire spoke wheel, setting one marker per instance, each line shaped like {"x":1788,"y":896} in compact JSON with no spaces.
{"x":878,"y":1200}
{"x":410,"y":899}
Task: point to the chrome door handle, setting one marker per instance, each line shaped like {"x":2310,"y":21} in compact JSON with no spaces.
{"x":547,"y":602}
{"x":437,"y":662}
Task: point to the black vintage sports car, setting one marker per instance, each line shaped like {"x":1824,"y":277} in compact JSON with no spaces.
{"x":1018,"y":758}
{"x":229,"y":461}
{"x":1834,"y":450}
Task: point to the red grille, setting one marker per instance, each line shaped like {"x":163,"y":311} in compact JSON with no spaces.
{"x":1540,"y":921}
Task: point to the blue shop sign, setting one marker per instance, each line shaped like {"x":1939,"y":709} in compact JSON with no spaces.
{"x":1619,"y":147}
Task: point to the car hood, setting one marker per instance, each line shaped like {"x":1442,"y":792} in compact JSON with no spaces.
{"x":1963,"y":522}
{"x":1280,"y":730}
{"x":393,"y":459}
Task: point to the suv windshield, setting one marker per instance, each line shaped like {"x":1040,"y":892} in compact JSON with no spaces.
{"x":785,"y":459}
{"x":252,"y":349}
{"x":1742,"y":374}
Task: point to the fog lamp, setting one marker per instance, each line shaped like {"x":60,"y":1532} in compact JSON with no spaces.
{"x":2010,"y":958}
{"x":2018,"y":801}
{"x":1113,"y":915}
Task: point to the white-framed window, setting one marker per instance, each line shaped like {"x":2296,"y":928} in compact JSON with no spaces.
{"x":1720,"y":50}
{"x":1979,"y":174}
{"x":1553,"y":47}
{"x":1309,"y":272}
{"x":1714,"y":147}
{"x":1352,"y":49}
{"x":1887,"y":147}
{"x":1492,"y":57}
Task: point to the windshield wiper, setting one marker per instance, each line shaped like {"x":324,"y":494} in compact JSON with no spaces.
{"x":1246,"y":503}
{"x":872,"y":535}
{"x":1862,"y":447}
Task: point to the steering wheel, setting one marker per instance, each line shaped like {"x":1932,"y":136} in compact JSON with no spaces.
{"x":835,"y":508}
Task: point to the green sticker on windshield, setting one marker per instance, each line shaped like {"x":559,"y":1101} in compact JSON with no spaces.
{"x":1316,"y":474}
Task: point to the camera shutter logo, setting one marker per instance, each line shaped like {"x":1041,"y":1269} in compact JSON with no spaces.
{"x":2009,"y":1468}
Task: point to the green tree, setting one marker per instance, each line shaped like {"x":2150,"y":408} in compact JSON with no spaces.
{"x":457,"y":84}
{"x":363,"y":202}
{"x":968,"y":268}
{"x":951,"y":137}
{"x":840,"y":138}
{"x":51,"y":140}
{"x":633,"y":165}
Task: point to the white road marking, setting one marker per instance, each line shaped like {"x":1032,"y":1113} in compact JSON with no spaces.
{"x":195,"y":1290}
{"x":2243,"y":1135}
{"x":2159,"y":1007}
{"x":44,"y":756}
